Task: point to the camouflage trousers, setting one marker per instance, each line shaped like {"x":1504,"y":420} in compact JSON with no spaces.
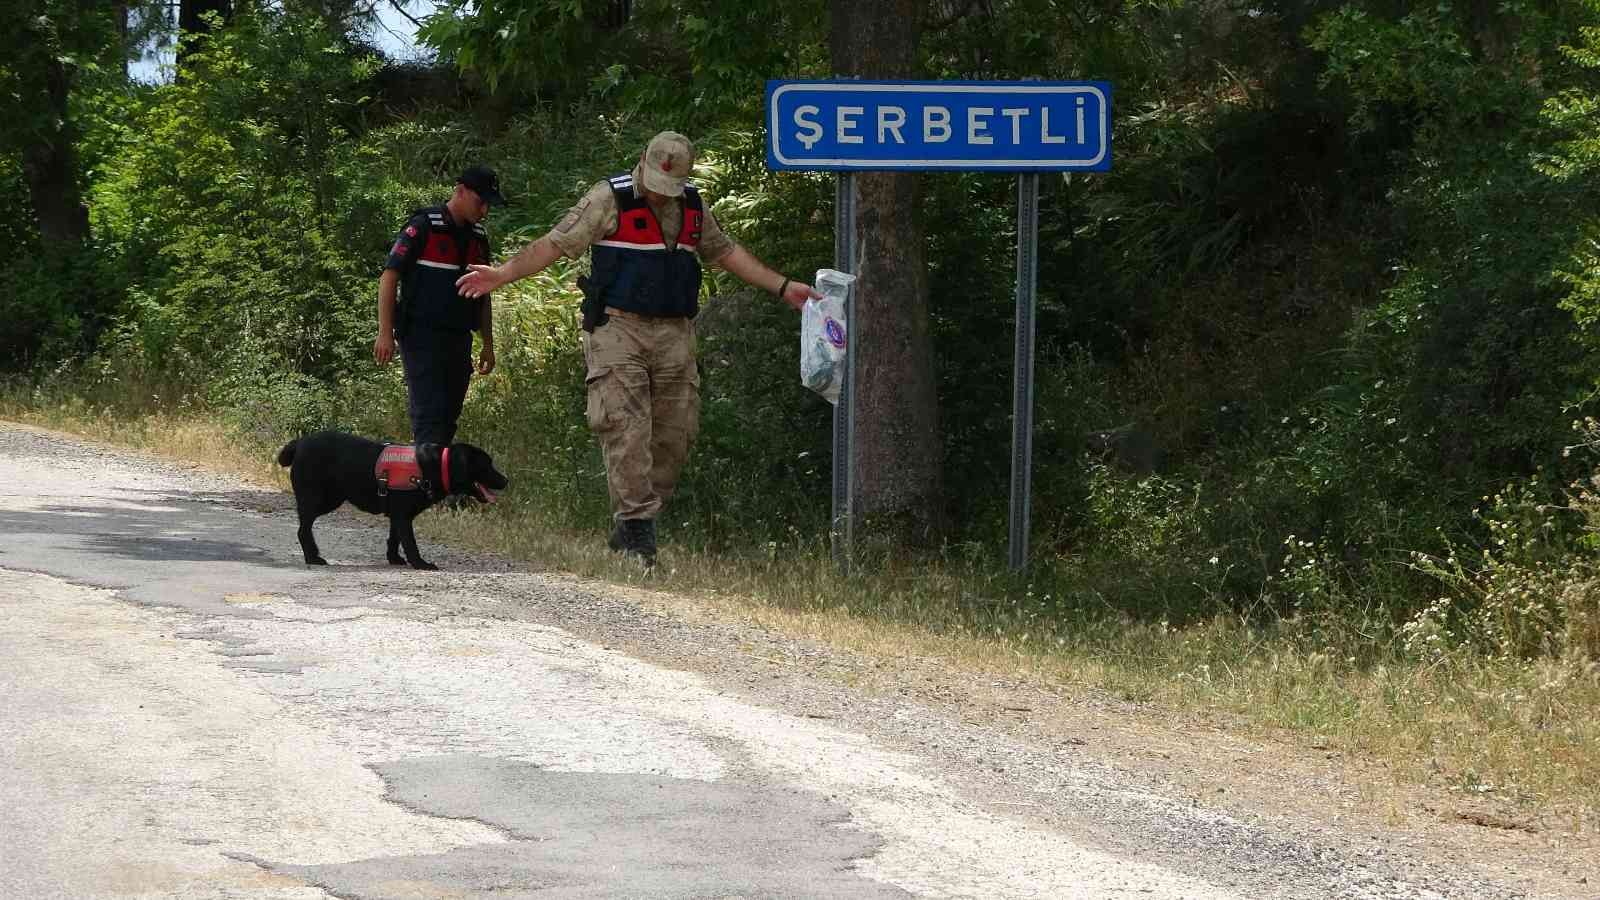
{"x":643,"y":406}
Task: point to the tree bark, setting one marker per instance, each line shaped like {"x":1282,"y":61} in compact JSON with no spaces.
{"x":119,"y":13}
{"x":897,"y":452}
{"x":50,"y":166}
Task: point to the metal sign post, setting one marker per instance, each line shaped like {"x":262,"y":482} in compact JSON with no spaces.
{"x":1027,"y":127}
{"x":1022,"y":396}
{"x":844,"y":238}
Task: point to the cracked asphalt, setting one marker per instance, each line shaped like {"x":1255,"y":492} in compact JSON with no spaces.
{"x":188,"y":711}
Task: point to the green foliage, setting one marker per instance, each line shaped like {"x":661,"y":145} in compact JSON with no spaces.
{"x":1344,"y":274}
{"x":1476,"y":318}
{"x":54,"y":295}
{"x":762,"y":471}
{"x":690,"y":62}
{"x":51,"y":44}
{"x":15,"y":214}
{"x":223,"y":195}
{"x":524,"y":44}
{"x":1572,"y":163}
{"x":1572,"y":112}
{"x":531,"y":412}
{"x":1531,"y":590}
{"x":54,"y":301}
{"x":52,"y":306}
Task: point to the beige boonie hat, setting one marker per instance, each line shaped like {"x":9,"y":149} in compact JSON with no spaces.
{"x":667,"y":163}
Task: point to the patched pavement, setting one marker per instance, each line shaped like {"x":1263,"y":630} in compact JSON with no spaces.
{"x":190,"y":712}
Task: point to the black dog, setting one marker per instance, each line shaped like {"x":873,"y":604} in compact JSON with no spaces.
{"x":330,"y":467}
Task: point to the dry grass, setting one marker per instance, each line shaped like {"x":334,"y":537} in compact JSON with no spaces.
{"x":1527,"y":733}
{"x":177,"y":437}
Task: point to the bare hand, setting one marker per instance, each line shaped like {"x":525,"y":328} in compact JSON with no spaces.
{"x":796,"y":293}
{"x":486,"y":361}
{"x":479,"y":280}
{"x":383,"y":349}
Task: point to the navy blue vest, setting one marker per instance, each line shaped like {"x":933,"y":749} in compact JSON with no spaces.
{"x":433,"y":258}
{"x":634,"y":268}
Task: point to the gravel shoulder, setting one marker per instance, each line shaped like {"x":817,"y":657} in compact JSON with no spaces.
{"x":1261,"y":817}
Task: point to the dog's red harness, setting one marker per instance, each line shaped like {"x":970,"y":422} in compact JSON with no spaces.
{"x":398,"y":470}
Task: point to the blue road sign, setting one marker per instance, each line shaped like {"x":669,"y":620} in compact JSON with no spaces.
{"x":995,"y":126}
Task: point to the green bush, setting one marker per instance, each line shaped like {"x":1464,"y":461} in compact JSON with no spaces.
{"x":52,"y":306}
{"x":223,"y":198}
{"x":1341,"y":277}
{"x":1530,"y":590}
{"x":54,"y":301}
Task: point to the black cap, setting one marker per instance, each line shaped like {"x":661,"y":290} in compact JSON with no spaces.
{"x":487,"y":184}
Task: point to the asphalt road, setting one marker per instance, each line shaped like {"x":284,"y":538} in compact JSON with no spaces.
{"x":188,"y":711}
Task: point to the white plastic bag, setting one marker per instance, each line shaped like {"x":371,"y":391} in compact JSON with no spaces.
{"x":822,"y":335}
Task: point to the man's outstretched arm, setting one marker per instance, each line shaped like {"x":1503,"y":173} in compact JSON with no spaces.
{"x":755,"y":273}
{"x":532,"y":259}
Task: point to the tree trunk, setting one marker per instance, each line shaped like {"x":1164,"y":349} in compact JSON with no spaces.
{"x":190,"y":21}
{"x":897,"y":450}
{"x":119,"y":13}
{"x":50,"y":166}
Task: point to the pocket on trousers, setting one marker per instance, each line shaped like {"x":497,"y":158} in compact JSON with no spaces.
{"x":596,"y":383}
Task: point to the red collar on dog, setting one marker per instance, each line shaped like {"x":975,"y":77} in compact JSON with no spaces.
{"x":444,"y":470}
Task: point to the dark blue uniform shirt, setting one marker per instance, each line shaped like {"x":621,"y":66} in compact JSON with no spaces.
{"x":430,"y":253}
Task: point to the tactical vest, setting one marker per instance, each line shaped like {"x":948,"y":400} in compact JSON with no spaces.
{"x":428,"y":289}
{"x":399,"y":469}
{"x":633,"y":266}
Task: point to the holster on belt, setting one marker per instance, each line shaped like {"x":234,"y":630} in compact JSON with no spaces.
{"x":594,"y":305}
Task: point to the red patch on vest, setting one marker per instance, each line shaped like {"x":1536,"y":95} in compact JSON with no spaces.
{"x":666,"y":165}
{"x":637,"y":228}
{"x":397,"y":467}
{"x":640,"y":227}
{"x":441,"y":249}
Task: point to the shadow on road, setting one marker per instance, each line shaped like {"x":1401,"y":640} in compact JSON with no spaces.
{"x":189,"y":533}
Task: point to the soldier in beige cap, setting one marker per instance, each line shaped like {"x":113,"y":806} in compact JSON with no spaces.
{"x":648,"y":232}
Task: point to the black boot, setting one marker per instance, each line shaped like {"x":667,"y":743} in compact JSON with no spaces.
{"x":639,"y":539}
{"x":618,"y":541}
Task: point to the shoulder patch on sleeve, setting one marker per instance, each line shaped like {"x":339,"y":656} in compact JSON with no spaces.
{"x":573,"y":216}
